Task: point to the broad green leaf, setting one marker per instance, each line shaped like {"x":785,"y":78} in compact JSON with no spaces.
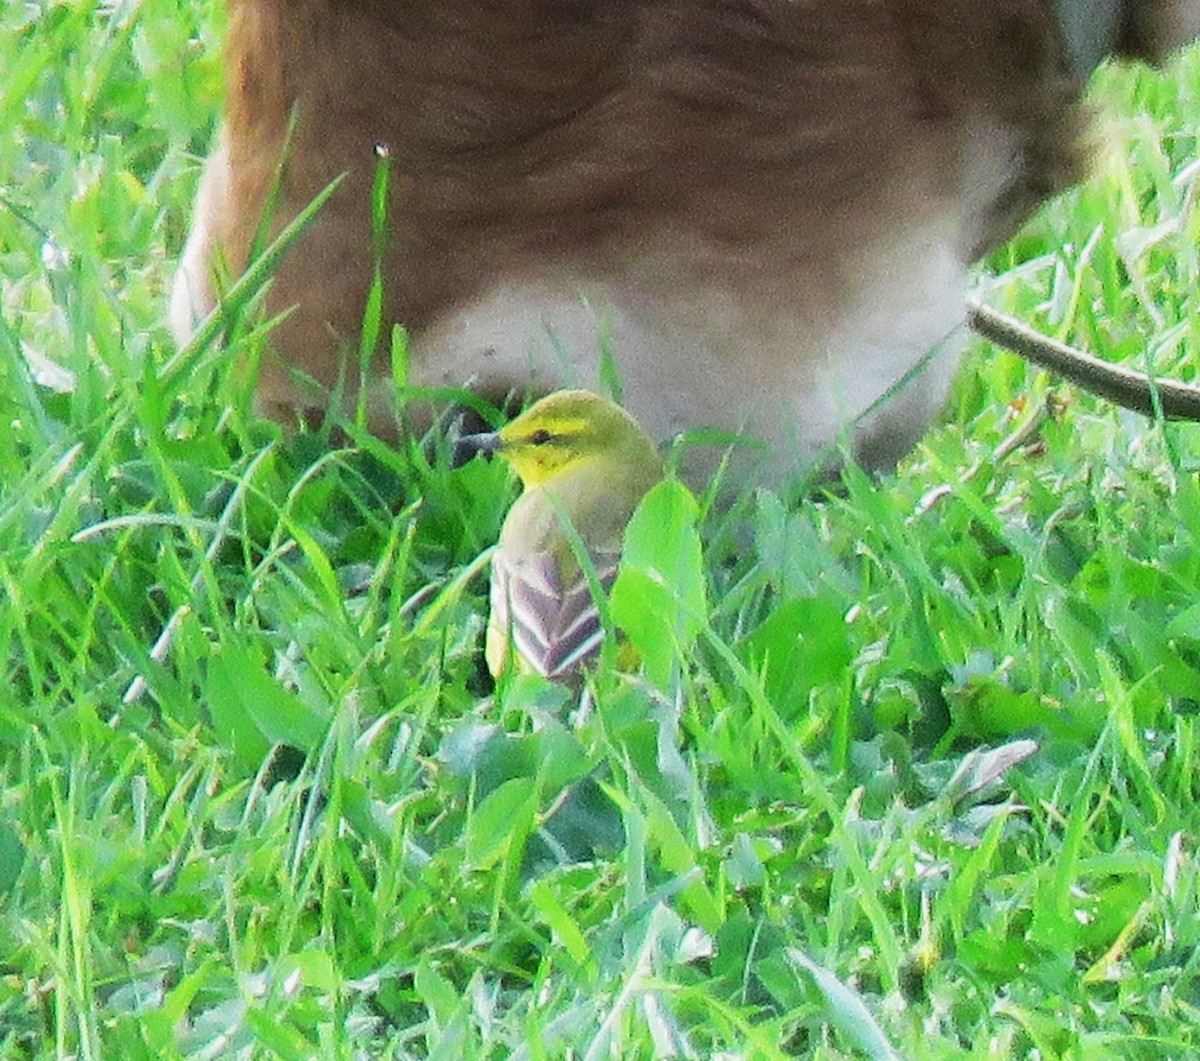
{"x":566,"y":929}
{"x":252,"y":710}
{"x":659,"y":599}
{"x":502,"y":819}
{"x":802,"y":644}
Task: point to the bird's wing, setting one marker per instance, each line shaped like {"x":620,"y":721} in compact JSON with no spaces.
{"x":554,"y":623}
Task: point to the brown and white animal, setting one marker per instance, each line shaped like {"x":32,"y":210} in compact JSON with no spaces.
{"x":764,"y":207}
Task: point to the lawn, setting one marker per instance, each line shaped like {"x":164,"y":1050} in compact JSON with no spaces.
{"x":915,"y":773}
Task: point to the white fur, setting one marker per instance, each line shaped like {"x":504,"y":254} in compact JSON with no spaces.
{"x":789,"y":364}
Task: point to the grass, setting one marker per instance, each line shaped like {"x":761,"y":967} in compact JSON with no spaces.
{"x":814,"y":828}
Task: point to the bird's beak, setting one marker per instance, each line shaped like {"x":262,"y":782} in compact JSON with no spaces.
{"x":467,"y":446}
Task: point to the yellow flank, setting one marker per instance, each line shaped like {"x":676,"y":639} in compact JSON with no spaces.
{"x":580,"y":458}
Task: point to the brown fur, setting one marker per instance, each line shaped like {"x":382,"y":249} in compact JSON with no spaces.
{"x":741,"y":145}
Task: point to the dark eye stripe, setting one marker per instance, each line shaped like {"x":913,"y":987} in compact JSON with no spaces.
{"x":540,"y":438}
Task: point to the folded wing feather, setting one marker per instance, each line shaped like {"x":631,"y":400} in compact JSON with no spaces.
{"x":553,"y":624}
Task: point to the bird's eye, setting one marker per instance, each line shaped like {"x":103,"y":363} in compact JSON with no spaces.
{"x":540,"y":438}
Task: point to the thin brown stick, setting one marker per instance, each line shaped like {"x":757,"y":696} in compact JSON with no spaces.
{"x":1127,"y":388}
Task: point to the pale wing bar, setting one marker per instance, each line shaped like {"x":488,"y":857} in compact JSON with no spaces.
{"x":556,"y":630}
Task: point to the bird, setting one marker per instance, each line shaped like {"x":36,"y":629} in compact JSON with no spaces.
{"x":583,"y":461}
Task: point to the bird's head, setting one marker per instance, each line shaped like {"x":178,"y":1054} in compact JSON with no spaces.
{"x":561,"y":432}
